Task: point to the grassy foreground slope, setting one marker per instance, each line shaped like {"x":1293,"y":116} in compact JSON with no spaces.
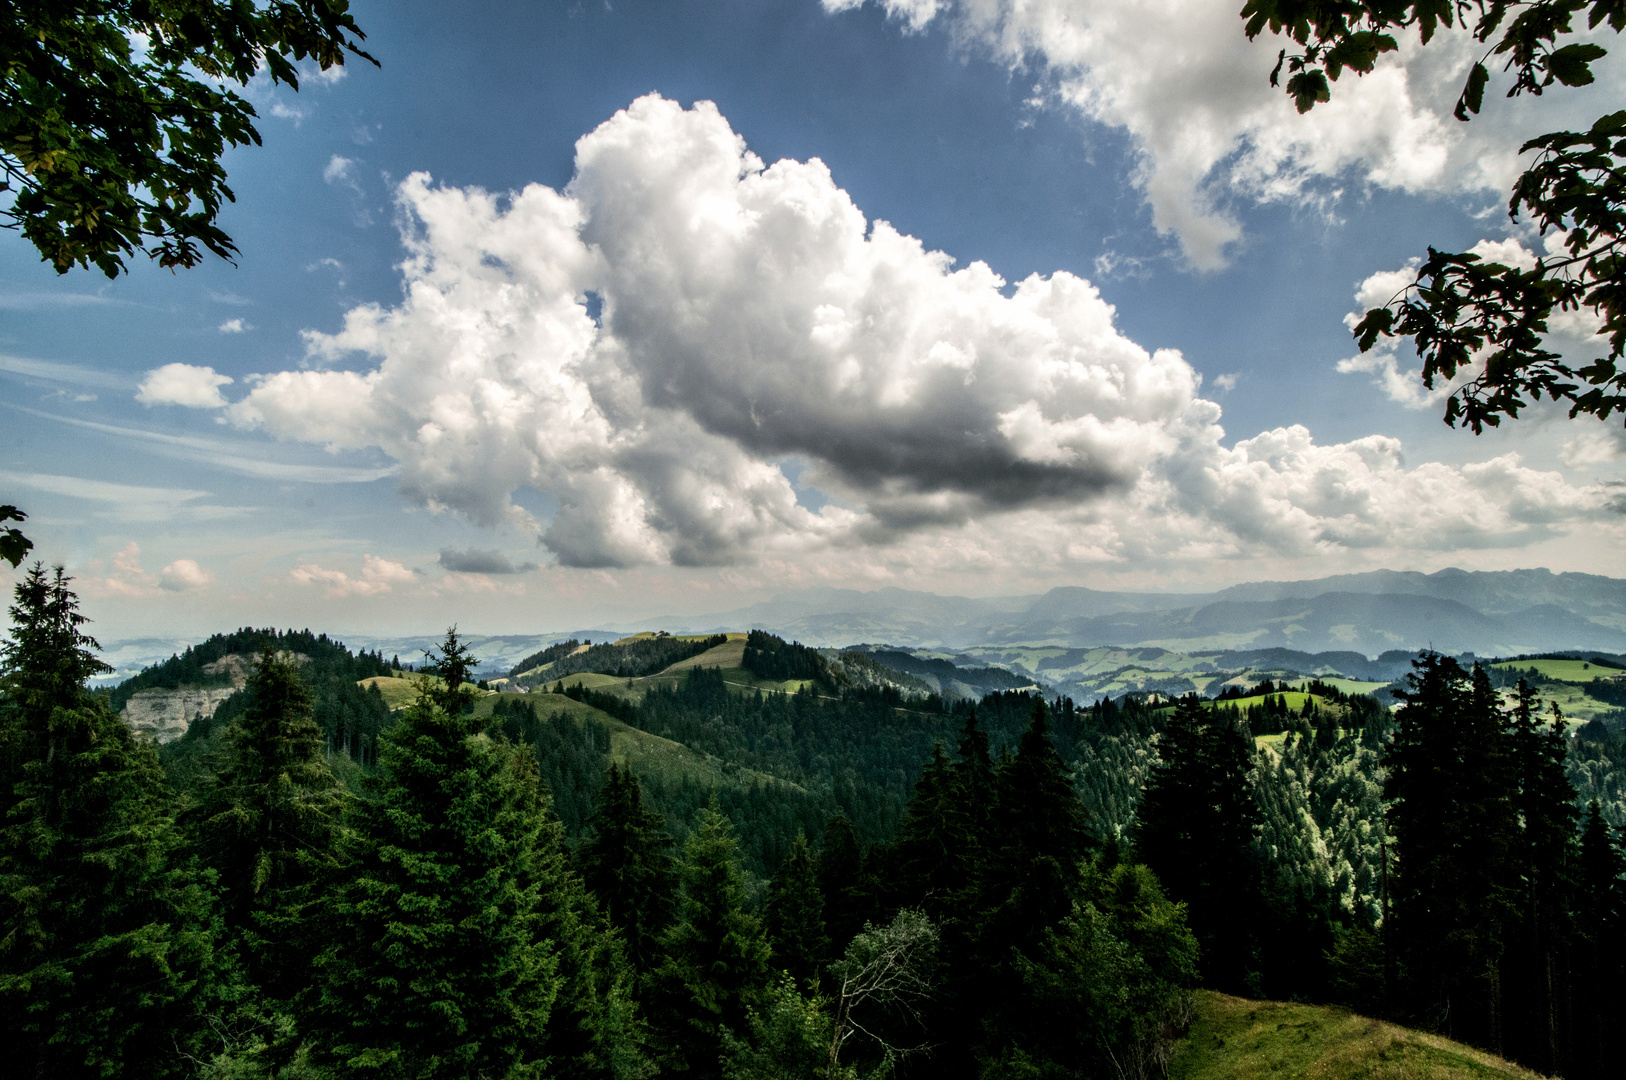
{"x":1237,"y":1039}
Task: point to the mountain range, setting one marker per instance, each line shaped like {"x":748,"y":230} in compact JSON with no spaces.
{"x":1483,"y":612}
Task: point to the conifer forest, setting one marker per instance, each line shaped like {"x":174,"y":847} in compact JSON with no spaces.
{"x":872,"y":880}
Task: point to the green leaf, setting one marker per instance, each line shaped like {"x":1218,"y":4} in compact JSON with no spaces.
{"x":1379,"y":322}
{"x":1571,"y":65}
{"x":1473,"y":95}
{"x":1307,"y":88}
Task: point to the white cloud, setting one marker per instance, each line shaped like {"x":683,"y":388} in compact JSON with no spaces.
{"x":1595,"y":446}
{"x":1227,"y":382}
{"x":239,"y":456}
{"x":340,"y":170}
{"x":378,"y":575}
{"x":752,"y":314}
{"x":59,"y":372}
{"x":130,"y":499}
{"x":126,"y":580}
{"x":183,"y":384}
{"x":234,"y":326}
{"x":1192,"y":92}
{"x":185,"y":575}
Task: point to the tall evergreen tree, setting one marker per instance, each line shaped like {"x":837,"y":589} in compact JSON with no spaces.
{"x":438,"y":967}
{"x":1037,"y":836}
{"x":271,"y":826}
{"x":1599,"y":997}
{"x":715,"y":969}
{"x":593,"y":1032}
{"x":455,"y":665}
{"x":626,"y":864}
{"x":1452,"y":784}
{"x":794,"y":916}
{"x":1544,"y":871}
{"x":1195,"y":829}
{"x":975,"y":770}
{"x":106,"y":937}
{"x":840,"y":870}
{"x":932,"y":858}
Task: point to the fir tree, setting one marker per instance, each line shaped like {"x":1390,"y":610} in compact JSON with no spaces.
{"x":626,"y":865}
{"x":455,"y":666}
{"x":1452,"y":784}
{"x":841,"y":883}
{"x":271,"y":826}
{"x":932,"y":859}
{"x":438,"y":967}
{"x":106,"y":938}
{"x":795,"y":916}
{"x":1544,"y":871}
{"x":1601,"y":952}
{"x":715,"y":968}
{"x":1195,"y":829}
{"x":593,"y":1032}
{"x":975,"y":770}
{"x":1038,"y":835}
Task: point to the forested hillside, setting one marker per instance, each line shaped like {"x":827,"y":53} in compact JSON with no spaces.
{"x":765,"y":860}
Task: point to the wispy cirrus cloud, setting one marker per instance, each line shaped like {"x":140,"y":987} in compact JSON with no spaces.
{"x":231,"y":455}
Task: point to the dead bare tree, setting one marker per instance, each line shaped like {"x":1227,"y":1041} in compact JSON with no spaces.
{"x":888,"y":967}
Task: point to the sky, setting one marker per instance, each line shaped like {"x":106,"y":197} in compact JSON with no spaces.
{"x":576,"y":314}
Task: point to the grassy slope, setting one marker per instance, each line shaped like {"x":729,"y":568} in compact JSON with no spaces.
{"x":646,"y":753}
{"x":1237,"y":1039}
{"x":398,"y":692}
{"x":1576,"y":671}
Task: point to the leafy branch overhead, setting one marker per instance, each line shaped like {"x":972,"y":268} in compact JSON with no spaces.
{"x":14,"y":546}
{"x":114,"y":115}
{"x":1461,"y":310}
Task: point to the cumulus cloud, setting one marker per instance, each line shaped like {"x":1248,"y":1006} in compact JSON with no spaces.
{"x":474,"y":561}
{"x":127,"y":578}
{"x":183,"y":384}
{"x":1192,"y":92}
{"x":377,"y":576}
{"x":234,"y":326}
{"x":647,"y":344}
{"x":185,"y":575}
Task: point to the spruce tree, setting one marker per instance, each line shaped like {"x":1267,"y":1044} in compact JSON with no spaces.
{"x":715,"y":968}
{"x":932,"y":858}
{"x":438,"y":966}
{"x":271,"y":826}
{"x":975,"y":770}
{"x":1195,"y":828}
{"x":795,"y":916}
{"x":627,"y":867}
{"x":106,"y":936}
{"x":840,"y":870}
{"x":1599,"y":995}
{"x":1451,"y":785}
{"x":1544,"y":870}
{"x":1038,"y":836}
{"x":593,"y":1032}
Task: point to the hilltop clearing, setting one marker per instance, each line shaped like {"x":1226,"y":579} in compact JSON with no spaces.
{"x":1237,"y":1039}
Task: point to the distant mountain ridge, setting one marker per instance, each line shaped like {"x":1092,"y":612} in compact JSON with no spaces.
{"x":1485,"y":612}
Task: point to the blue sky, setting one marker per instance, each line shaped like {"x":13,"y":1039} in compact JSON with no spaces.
{"x":680,"y":378}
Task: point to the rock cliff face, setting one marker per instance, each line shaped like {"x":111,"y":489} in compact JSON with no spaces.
{"x":165,"y":714}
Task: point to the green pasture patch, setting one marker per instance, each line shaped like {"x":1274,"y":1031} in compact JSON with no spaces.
{"x":730,"y":654}
{"x":1574,"y":671}
{"x":398,"y":692}
{"x":1237,"y":1039}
